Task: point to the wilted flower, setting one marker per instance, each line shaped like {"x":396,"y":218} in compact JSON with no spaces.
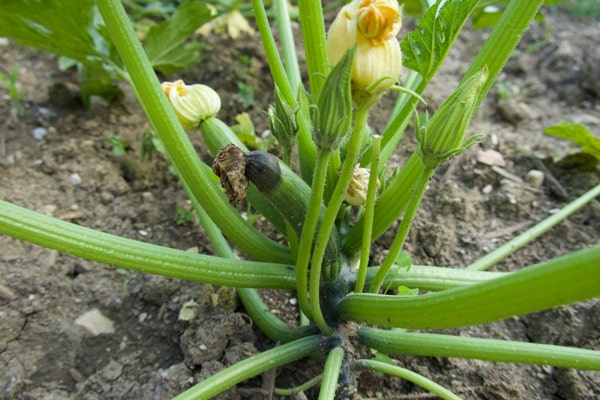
{"x":192,"y":103}
{"x":359,"y":186}
{"x":372,"y":25}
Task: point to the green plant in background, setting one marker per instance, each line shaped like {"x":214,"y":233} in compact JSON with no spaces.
{"x":74,"y":30}
{"x":10,"y":81}
{"x":330,"y":210}
{"x":119,"y":146}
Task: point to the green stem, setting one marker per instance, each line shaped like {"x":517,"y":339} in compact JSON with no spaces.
{"x":439,"y":345}
{"x":368,"y":218}
{"x":307,"y":149}
{"x":411,"y":210}
{"x":432,"y":279}
{"x":177,"y":144}
{"x":390,"y":204}
{"x":315,"y":47}
{"x":273,"y":328}
{"x":410,"y":376}
{"x":401,"y":115}
{"x":331,"y":374}
{"x":300,"y":388}
{"x":90,"y":244}
{"x":288,"y":45}
{"x":563,"y":280}
{"x":270,"y":325}
{"x":532,"y":233}
{"x":502,"y":41}
{"x":328,"y":222}
{"x":252,"y":366}
{"x":307,"y":237}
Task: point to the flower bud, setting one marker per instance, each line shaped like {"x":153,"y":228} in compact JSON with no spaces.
{"x":359,"y":187}
{"x":371,"y":25}
{"x":192,"y":103}
{"x":332,"y":118}
{"x":282,"y":122}
{"x":443,"y":136}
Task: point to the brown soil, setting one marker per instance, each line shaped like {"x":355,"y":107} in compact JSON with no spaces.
{"x":470,"y":208}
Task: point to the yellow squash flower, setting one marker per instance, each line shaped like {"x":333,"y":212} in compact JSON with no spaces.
{"x":192,"y":103}
{"x":371,"y":25}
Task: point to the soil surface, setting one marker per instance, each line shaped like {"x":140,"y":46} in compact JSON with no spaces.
{"x":145,"y":352}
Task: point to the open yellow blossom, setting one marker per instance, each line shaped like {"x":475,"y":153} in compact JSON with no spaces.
{"x":192,"y":103}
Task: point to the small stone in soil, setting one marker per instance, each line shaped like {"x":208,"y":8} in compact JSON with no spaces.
{"x":75,"y":179}
{"x":535,"y":178}
{"x":95,"y":323}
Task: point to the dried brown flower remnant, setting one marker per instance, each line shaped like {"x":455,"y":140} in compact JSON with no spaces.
{"x":229,"y":165}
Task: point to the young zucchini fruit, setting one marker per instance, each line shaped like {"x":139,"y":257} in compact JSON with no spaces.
{"x":288,"y":193}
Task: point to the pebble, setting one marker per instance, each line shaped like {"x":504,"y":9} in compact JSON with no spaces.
{"x":95,"y":323}
{"x":487,"y":189}
{"x":490,"y":157}
{"x":39,"y":133}
{"x":75,"y":179}
{"x":7,"y":293}
{"x":535,"y":178}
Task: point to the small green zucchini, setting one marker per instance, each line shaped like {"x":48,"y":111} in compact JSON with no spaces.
{"x":288,"y":193}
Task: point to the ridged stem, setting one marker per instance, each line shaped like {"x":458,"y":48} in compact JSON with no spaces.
{"x":439,"y":345}
{"x":563,"y":280}
{"x":177,"y":144}
{"x":252,"y":366}
{"x":106,"y":248}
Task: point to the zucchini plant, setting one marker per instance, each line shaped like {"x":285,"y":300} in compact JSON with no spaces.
{"x":329,"y":203}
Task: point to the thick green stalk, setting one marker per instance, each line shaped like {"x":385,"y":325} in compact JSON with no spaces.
{"x":419,"y":188}
{"x":178,"y":146}
{"x":563,"y":280}
{"x":307,"y":237}
{"x":438,"y":345}
{"x":270,"y":325}
{"x":315,"y":48}
{"x":408,"y":375}
{"x":502,"y":41}
{"x":532,"y":233}
{"x":288,"y":46}
{"x":331,"y":374}
{"x":273,"y":328}
{"x":252,"y":366}
{"x":433,"y":279}
{"x":307,"y":151}
{"x":390,"y":205}
{"x":365,"y":250}
{"x":328,"y":222}
{"x":90,"y":244}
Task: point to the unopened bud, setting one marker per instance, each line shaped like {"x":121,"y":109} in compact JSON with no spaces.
{"x":443,"y":136}
{"x":282,"y":122}
{"x":332,"y":118}
{"x":192,"y":103}
{"x":359,"y":187}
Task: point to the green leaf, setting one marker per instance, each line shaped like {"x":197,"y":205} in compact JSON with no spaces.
{"x":425,"y":48}
{"x":165,"y":41}
{"x":59,"y":26}
{"x":577,"y":134}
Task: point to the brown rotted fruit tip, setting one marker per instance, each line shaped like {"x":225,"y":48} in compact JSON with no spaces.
{"x":229,"y":165}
